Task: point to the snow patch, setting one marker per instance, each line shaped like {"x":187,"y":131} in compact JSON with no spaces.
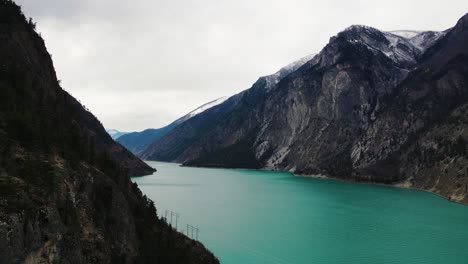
{"x":358,"y":27}
{"x":112,"y":132}
{"x":404,"y":46}
{"x":408,"y":34}
{"x":396,"y":51}
{"x":421,"y":40}
{"x":206,"y":106}
{"x":275,"y":78}
{"x":426,"y":39}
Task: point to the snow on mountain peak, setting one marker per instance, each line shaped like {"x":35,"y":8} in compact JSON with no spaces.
{"x":402,"y":46}
{"x":114,"y":133}
{"x":425,"y":39}
{"x":298,"y":63}
{"x":358,"y":28}
{"x":206,"y":106}
{"x":394,"y":46}
{"x":419,"y":39}
{"x":273,"y":79}
{"x":408,"y":34}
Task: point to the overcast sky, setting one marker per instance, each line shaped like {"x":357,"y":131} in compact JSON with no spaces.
{"x":143,"y":63}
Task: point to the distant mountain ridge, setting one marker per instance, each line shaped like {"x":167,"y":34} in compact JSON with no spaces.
{"x":140,"y":143}
{"x":115,"y":134}
{"x":371,"y":106}
{"x":201,"y":109}
{"x":137,"y":142}
{"x":202,"y":122}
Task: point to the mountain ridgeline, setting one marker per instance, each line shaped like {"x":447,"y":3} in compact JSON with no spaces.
{"x":137,"y":142}
{"x":372,"y":106}
{"x":65,"y":192}
{"x":115,"y":134}
{"x":202,"y":121}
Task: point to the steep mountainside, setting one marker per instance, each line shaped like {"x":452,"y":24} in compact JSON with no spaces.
{"x":172,"y":147}
{"x":136,"y":142}
{"x":65,"y":194}
{"x":371,"y":106}
{"x":420,"y":134}
{"x":263,"y":109}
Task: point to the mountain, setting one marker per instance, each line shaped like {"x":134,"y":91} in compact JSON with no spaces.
{"x":136,"y":142}
{"x":419,"y":137}
{"x":387,"y":107}
{"x":65,"y":191}
{"x":201,"y":109}
{"x":115,"y":134}
{"x":170,"y":147}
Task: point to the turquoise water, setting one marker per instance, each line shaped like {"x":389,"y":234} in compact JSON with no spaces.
{"x":268,"y":217}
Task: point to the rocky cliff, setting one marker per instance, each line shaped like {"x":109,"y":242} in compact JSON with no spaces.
{"x":65,"y":194}
{"x":184,"y":142}
{"x":371,"y":106}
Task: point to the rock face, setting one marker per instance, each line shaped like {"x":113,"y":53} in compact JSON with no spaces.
{"x":137,"y":142}
{"x":371,"y":106}
{"x":65,"y":194}
{"x":178,"y":145}
{"x":420,"y":134}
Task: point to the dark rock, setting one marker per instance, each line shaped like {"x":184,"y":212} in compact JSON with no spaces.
{"x":371,"y":106}
{"x":65,"y":193}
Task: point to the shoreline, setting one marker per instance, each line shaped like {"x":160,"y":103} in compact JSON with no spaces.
{"x":399,"y":185}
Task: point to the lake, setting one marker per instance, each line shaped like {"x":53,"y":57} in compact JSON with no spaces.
{"x":257,"y":217}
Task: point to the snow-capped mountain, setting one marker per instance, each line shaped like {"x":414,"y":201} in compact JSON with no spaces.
{"x":425,"y":39}
{"x":403,"y":47}
{"x":115,"y":134}
{"x":211,"y":116}
{"x":205,"y":107}
{"x":137,"y":142}
{"x":273,"y":79}
{"x":370,"y":106}
{"x":420,"y":39}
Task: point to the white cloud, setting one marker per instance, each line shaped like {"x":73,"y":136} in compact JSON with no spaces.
{"x":140,"y":64}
